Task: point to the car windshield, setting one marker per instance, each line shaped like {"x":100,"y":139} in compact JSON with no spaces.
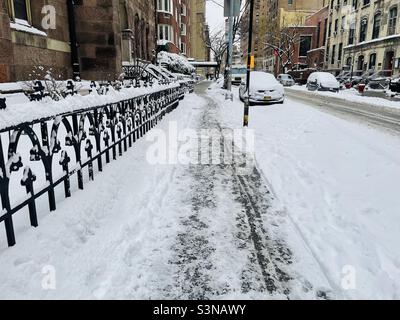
{"x":285,"y":76}
{"x":239,"y":70}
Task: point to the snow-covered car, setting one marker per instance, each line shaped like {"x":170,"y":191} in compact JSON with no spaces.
{"x":380,"y":80}
{"x":322,"y":81}
{"x":343,"y":76}
{"x":264,"y":89}
{"x":394,"y":85}
{"x":286,"y":80}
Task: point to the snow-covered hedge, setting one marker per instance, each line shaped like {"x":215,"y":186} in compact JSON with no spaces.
{"x":175,"y":62}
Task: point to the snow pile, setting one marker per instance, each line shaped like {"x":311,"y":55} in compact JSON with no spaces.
{"x":351,"y":95}
{"x":175,"y":62}
{"x":17,"y":113}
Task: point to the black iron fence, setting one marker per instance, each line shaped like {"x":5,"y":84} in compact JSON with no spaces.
{"x":90,"y":138}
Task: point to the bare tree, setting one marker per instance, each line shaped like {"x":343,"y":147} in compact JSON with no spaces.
{"x":218,"y":47}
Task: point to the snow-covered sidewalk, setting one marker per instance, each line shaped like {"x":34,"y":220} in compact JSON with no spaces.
{"x":316,"y":219}
{"x":143,"y":231}
{"x":338,"y":183}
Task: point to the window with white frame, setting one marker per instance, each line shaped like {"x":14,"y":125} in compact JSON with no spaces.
{"x":183,"y":29}
{"x":20,"y":10}
{"x":165,"y":32}
{"x":165,"y":6}
{"x":183,"y":47}
{"x":183,"y":10}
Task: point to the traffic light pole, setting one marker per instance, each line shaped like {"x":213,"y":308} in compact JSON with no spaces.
{"x":229,"y":94}
{"x":249,"y":53}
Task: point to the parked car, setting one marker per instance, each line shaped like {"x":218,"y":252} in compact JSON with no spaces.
{"x":394,"y":85}
{"x":300,"y":76}
{"x":343,"y":76}
{"x":238,"y":74}
{"x":286,"y":80}
{"x":380,"y":80}
{"x":323,"y":81}
{"x":264,"y":89}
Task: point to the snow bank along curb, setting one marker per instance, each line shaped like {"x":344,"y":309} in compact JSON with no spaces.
{"x":352,"y":97}
{"x":97,"y":132}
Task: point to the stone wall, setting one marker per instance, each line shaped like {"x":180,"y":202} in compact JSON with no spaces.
{"x":99,"y":35}
{"x":6,"y":57}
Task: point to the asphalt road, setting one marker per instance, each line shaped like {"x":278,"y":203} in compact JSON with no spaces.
{"x":383,"y":118}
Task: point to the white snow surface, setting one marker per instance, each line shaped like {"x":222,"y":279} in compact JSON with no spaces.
{"x":24,"y":26}
{"x":352,"y":95}
{"x":338,"y":183}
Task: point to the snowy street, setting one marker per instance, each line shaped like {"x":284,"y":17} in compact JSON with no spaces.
{"x":316,"y":217}
{"x":376,"y":111}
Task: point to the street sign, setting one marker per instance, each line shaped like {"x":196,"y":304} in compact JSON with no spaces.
{"x":235,"y":8}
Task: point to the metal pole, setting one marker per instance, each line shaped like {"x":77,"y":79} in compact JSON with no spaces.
{"x":249,"y":52}
{"x":230,"y":51}
{"x":72,"y":35}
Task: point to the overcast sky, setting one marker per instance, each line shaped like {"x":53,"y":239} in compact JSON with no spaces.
{"x":215,"y":15}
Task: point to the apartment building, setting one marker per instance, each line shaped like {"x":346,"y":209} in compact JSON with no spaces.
{"x":199,"y":31}
{"x":259,"y":31}
{"x":174,"y":26}
{"x":138,"y":27}
{"x":284,"y":14}
{"x":364,"y":35}
{"x":74,"y":37}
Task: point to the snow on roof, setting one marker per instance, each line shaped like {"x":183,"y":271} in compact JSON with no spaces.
{"x":392,"y":37}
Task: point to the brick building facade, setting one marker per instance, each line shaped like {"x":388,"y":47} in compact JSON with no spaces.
{"x":107,"y":33}
{"x":174,"y":26}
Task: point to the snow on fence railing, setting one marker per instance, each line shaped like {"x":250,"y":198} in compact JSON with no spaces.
{"x":91,"y":134}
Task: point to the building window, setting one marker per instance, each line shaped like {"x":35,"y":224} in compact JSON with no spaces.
{"x":165,"y":6}
{"x":183,"y":10}
{"x":20,"y":10}
{"x":363,"y":29}
{"x":349,"y":62}
{"x":392,"y":21}
{"x":183,"y":29}
{"x":305,"y":45}
{"x":355,"y":4}
{"x":183,"y":48}
{"x":366,"y":2}
{"x":377,"y":26}
{"x":333,"y":54}
{"x":372,"y":61}
{"x":340,"y":52}
{"x":165,"y":32}
{"x":352,"y":33}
